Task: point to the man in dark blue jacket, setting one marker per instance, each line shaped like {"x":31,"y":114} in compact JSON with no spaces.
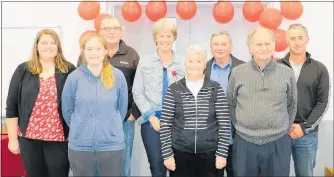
{"x":219,"y":69}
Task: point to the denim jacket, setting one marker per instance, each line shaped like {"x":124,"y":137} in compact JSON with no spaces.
{"x":147,"y":85}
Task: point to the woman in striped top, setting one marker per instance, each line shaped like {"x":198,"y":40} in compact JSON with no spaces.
{"x":195,"y":122}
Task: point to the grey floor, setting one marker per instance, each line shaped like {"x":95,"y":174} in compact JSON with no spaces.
{"x":140,"y":165}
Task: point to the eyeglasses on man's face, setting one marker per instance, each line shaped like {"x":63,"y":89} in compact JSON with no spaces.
{"x":114,"y":29}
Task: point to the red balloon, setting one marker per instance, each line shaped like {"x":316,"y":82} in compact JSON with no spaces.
{"x":280,"y":42}
{"x":271,"y":18}
{"x":131,"y":11}
{"x":252,"y":10}
{"x":98,"y":19}
{"x":186,"y":9}
{"x":156,"y":10}
{"x":89,"y":10}
{"x":223,"y":11}
{"x":292,"y":10}
{"x":84,"y":34}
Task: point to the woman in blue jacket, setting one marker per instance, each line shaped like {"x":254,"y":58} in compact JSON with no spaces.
{"x":94,"y":107}
{"x":155,"y":72}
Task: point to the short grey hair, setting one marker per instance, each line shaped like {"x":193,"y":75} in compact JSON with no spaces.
{"x":197,"y":49}
{"x":110,"y":18}
{"x":251,"y":35}
{"x":297,"y":26}
{"x":221,"y":33}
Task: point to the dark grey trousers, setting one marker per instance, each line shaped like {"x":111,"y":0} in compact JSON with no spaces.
{"x":271,"y":159}
{"x":83,"y":163}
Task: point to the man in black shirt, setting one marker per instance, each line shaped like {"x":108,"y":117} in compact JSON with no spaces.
{"x":313,"y":86}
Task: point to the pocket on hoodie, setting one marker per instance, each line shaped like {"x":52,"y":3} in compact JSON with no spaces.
{"x":208,"y":140}
{"x":81,"y":134}
{"x":212,"y":138}
{"x":187,"y":140}
{"x":110,"y":132}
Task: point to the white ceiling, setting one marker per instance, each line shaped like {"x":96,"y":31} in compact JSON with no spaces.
{"x":205,"y":2}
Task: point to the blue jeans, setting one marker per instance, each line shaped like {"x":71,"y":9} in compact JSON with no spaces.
{"x":129,"y":133}
{"x":304,"y":151}
{"x":152,"y":144}
{"x":96,"y":171}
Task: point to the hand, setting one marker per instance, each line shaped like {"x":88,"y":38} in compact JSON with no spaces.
{"x":155,"y":123}
{"x":296,"y":131}
{"x":131,"y":118}
{"x":170,"y":163}
{"x":220,"y":162}
{"x":13,"y":146}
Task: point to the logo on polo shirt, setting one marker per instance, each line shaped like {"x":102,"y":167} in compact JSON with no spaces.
{"x":124,"y":62}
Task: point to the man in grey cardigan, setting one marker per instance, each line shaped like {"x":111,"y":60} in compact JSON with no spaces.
{"x":262,"y":96}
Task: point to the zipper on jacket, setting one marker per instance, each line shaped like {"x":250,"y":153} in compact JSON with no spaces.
{"x":94,"y":146}
{"x":196,"y":127}
{"x":262,"y":73}
{"x":301,"y":69}
{"x":95,"y":117}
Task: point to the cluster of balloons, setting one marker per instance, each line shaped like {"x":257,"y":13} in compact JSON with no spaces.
{"x":155,"y":10}
{"x":222,"y":12}
{"x":271,"y":18}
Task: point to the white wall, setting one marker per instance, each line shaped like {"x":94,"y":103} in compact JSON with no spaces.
{"x":138,"y":35}
{"x":49,"y":14}
{"x":317,"y":18}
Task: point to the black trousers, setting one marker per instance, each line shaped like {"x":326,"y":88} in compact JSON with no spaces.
{"x":44,"y":158}
{"x":271,"y":159}
{"x":229,"y":164}
{"x":195,"y":165}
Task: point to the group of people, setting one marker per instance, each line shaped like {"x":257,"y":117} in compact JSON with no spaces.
{"x":198,"y":117}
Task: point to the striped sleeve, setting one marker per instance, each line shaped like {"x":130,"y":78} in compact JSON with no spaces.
{"x":222,"y":113}
{"x":166,"y":122}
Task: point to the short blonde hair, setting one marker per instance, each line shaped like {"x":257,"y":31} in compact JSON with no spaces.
{"x":162,"y":25}
{"x":221,"y":33}
{"x":297,"y":26}
{"x":196,"y":49}
{"x":251,"y":35}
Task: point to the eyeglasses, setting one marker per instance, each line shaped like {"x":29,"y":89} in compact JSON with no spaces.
{"x":115,"y":29}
